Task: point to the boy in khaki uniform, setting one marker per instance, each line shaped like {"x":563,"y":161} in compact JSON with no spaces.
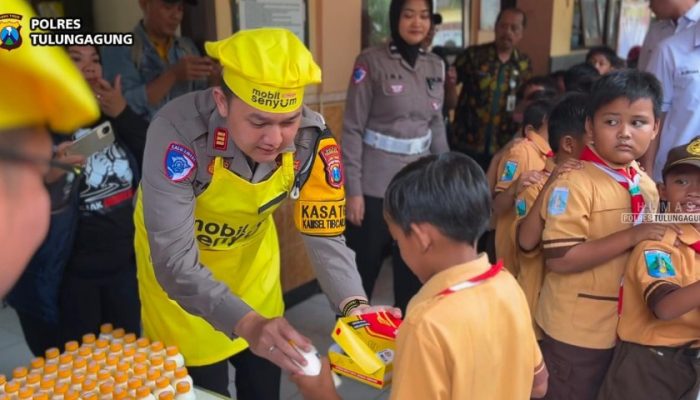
{"x":585,"y":241}
{"x":520,"y":166}
{"x":657,"y":357}
{"x":566,"y":138}
{"x":467,"y":334}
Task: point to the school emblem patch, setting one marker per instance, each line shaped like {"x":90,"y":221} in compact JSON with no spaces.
{"x":334,"y":167}
{"x":659,"y":264}
{"x":359,"y":74}
{"x":509,"y":171}
{"x":520,"y":207}
{"x":558,"y":200}
{"x":179,"y":162}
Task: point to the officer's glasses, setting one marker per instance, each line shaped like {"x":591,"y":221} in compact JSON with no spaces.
{"x":61,"y":191}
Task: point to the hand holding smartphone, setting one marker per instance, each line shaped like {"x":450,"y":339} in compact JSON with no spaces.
{"x":97,"y":139}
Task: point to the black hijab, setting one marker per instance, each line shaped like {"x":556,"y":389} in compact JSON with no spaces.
{"x":407,"y":51}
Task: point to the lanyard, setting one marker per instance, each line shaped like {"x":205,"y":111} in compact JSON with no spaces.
{"x":477,"y":280}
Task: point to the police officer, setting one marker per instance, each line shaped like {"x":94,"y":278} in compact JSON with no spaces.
{"x":393,"y":116}
{"x":41,"y":89}
{"x":217,"y":164}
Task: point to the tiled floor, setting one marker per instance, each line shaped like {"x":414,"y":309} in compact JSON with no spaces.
{"x":312,"y":318}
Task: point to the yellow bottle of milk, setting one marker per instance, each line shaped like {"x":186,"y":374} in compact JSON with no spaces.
{"x":106,"y":331}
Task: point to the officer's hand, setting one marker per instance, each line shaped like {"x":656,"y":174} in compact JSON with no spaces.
{"x":642,"y":232}
{"x":355,"y":209}
{"x":319,"y":387}
{"x":60,"y":155}
{"x":110,"y":98}
{"x":192,"y":68}
{"x":269,"y":339}
{"x":368,"y":309}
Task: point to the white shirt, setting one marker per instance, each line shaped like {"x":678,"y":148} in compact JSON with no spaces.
{"x":660,"y":30}
{"x":676,"y":62}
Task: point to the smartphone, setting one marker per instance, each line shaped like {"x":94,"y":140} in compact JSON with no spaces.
{"x":97,"y":139}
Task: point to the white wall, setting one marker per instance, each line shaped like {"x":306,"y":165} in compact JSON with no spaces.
{"x":116,"y":15}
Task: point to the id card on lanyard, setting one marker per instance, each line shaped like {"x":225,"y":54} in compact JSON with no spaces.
{"x":475,"y":281}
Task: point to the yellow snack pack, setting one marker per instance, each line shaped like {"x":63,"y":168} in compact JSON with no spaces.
{"x":365,"y":348}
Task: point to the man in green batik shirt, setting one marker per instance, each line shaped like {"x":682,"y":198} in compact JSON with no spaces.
{"x":490,"y":75}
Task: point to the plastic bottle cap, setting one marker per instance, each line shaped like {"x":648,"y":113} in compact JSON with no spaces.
{"x":50,"y":369}
{"x":183,"y":387}
{"x":89,"y":338}
{"x":115,"y":348}
{"x":65,"y":359}
{"x":167,"y":395}
{"x":99,"y":357}
{"x":181,"y":372}
{"x":106,"y":388}
{"x":93,"y":367}
{"x":129,"y":352}
{"x":121,"y":377}
{"x":112,"y":361}
{"x":118,"y":333}
{"x":77,"y":379}
{"x":140,"y":369}
{"x":119,"y":394}
{"x":170,"y":365}
{"x":26,"y":393}
{"x":123,"y":366}
{"x":134,"y":383}
{"x":106,"y":328}
{"x":129,"y":338}
{"x":153,"y":374}
{"x":72,"y":346}
{"x":142,"y":392}
{"x":71,"y":395}
{"x":85,"y":352}
{"x":79,"y":362}
{"x":37,"y":362}
{"x":140,"y":358}
{"x":64,"y":373}
{"x":172,"y":351}
{"x":90,"y":396}
{"x":89,"y":384}
{"x":52,"y":353}
{"x":12,"y":386}
{"x":143,"y":342}
{"x":162,"y":382}
{"x":33,"y":378}
{"x":103,"y":375}
{"x":102,"y":344}
{"x":19,"y":373}
{"x":47,"y":383}
{"x":157,"y":361}
{"x":41,"y":396}
{"x":61,"y":388}
{"x":157,"y":346}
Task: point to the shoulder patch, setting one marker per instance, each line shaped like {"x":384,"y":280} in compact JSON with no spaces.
{"x":509,"y":171}
{"x":330,"y":155}
{"x":558,"y":200}
{"x":520,"y":207}
{"x":659,"y":264}
{"x":359,"y":74}
{"x":179,"y":162}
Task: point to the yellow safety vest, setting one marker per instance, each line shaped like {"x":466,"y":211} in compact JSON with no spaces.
{"x":248,"y":265}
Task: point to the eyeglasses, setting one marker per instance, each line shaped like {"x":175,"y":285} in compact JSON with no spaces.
{"x":60,"y":192}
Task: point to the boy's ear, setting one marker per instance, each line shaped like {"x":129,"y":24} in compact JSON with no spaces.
{"x":657,"y":124}
{"x":528,"y":128}
{"x":422,"y":236}
{"x":566,"y":144}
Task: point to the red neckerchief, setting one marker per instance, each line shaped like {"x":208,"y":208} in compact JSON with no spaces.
{"x":696,"y":246}
{"x":627,"y":175}
{"x":469,"y":283}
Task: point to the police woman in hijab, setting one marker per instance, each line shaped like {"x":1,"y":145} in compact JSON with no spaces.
{"x":393,"y":116}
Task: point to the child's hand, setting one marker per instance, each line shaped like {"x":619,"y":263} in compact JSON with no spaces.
{"x":527,"y":179}
{"x":319,"y":387}
{"x":568,"y":165}
{"x":642,"y":232}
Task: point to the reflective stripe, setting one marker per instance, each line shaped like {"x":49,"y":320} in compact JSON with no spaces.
{"x":391,"y":144}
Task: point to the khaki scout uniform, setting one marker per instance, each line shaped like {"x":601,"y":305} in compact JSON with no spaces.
{"x":529,"y":155}
{"x":654,"y":350}
{"x":393,"y":116}
{"x":184,"y":301}
{"x":583,"y":205}
{"x":531,"y":272}
{"x":457,"y":347}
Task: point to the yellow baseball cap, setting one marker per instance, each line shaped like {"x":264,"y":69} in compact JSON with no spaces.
{"x":40,"y":85}
{"x":267,"y":68}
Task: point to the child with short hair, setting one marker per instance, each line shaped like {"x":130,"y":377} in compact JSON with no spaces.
{"x":467,"y":333}
{"x":659,"y":329}
{"x":585,"y":242}
{"x":567,"y":140}
{"x":520,"y":167}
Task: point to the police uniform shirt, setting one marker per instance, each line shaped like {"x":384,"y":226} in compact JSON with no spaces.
{"x":655,"y":269}
{"x":663,"y":29}
{"x":528,"y":155}
{"x":388,"y":96}
{"x":476,"y":343}
{"x":677,"y":65}
{"x":183,"y":140}
{"x":580,"y":308}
